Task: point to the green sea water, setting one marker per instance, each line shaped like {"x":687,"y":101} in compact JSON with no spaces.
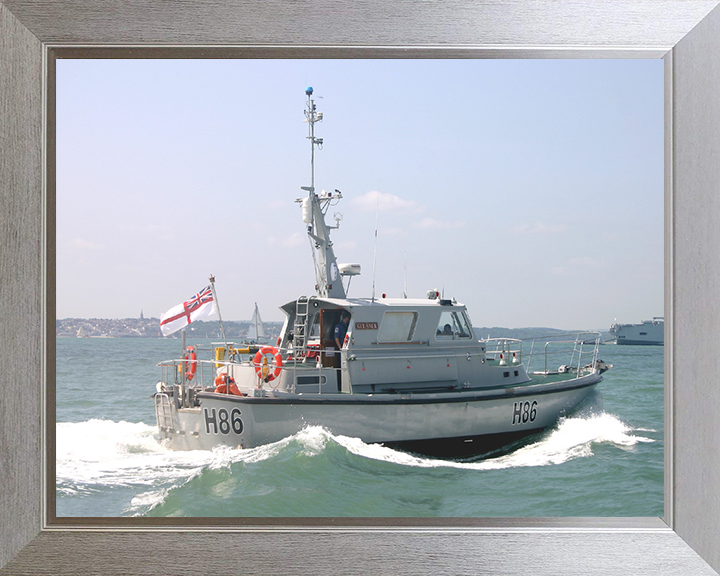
{"x":605,"y":459}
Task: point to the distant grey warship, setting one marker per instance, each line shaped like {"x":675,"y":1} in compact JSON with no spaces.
{"x":405,"y":372}
{"x":648,"y":332}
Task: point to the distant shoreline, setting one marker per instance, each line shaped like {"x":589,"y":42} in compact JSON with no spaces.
{"x":150,"y":328}
{"x":234,"y":329}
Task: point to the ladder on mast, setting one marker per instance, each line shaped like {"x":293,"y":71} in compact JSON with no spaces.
{"x":300,"y":326}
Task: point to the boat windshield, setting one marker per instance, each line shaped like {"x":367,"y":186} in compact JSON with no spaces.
{"x":453,"y":324}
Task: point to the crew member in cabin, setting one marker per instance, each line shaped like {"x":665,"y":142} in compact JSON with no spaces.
{"x":341,"y":329}
{"x":339,"y":333}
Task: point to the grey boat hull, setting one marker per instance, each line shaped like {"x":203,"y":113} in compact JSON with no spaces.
{"x":442,"y":424}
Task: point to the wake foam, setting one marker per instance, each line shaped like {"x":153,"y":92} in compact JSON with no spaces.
{"x":97,"y":454}
{"x":572,"y":438}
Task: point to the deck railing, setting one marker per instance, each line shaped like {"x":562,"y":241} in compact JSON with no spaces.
{"x":175,"y":372}
{"x":554,"y":349}
{"x":572,"y":352}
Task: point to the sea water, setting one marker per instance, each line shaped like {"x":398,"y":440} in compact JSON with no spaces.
{"x":604,"y":459}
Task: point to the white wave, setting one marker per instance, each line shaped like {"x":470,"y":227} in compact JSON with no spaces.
{"x":146,"y":501}
{"x":313,"y":439}
{"x":117,"y":453}
{"x":573,"y":438}
{"x":97,"y":454}
{"x":94,"y":450}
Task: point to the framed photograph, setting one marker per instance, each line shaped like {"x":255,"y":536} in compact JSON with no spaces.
{"x":511,"y":185}
{"x":684,"y":540}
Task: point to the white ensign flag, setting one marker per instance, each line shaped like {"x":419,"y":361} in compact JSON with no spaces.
{"x":199,"y":307}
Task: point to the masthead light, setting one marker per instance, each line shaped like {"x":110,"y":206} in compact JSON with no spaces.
{"x":309,"y":90}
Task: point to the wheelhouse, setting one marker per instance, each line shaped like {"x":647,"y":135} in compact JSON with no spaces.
{"x":391,"y":345}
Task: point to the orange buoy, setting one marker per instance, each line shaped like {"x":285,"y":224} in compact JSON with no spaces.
{"x":221,"y":383}
{"x":190,"y":362}
{"x":268,"y":371}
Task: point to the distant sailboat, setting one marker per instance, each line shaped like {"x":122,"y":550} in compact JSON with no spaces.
{"x":256,"y":330}
{"x":81,"y":332}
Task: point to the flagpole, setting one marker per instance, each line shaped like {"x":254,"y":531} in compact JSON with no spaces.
{"x":217,"y":305}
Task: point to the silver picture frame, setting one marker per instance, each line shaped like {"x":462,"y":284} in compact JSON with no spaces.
{"x":685,"y":33}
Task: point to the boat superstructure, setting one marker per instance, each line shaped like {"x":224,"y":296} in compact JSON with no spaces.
{"x":406,"y":372}
{"x":648,"y":332}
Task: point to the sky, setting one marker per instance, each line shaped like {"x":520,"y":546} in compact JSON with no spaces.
{"x":529,"y":190}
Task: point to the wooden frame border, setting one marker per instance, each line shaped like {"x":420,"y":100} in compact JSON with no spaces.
{"x":686,"y":33}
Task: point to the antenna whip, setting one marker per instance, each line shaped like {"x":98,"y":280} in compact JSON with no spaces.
{"x":377,"y":216}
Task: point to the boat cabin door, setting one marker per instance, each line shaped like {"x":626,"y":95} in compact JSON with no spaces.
{"x":330,"y":355}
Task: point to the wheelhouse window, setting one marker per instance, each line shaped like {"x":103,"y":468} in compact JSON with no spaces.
{"x":397,"y":327}
{"x":315,"y":327}
{"x":453,"y":325}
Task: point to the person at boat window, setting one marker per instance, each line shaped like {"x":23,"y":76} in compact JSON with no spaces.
{"x":453,"y":325}
{"x":341,"y":329}
{"x":445,"y":330}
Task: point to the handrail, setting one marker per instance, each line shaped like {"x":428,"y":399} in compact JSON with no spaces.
{"x":403,"y":343}
{"x":354,"y":358}
{"x":578,"y":348}
{"x":512,"y":348}
{"x":439,"y":350}
{"x":504,"y":346}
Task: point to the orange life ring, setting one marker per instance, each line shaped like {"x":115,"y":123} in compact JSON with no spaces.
{"x":271,"y":369}
{"x":191,"y":365}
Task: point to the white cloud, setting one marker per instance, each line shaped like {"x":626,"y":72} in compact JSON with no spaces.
{"x":539,"y":228}
{"x":370,"y":201}
{"x":85,"y":245}
{"x":288,"y":241}
{"x":431,"y":223}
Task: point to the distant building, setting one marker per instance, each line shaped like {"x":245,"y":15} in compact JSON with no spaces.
{"x":141,"y":315}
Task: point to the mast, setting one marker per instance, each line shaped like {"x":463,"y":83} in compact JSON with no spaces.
{"x":217,"y":307}
{"x":314,"y":207}
{"x":256,"y":317}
